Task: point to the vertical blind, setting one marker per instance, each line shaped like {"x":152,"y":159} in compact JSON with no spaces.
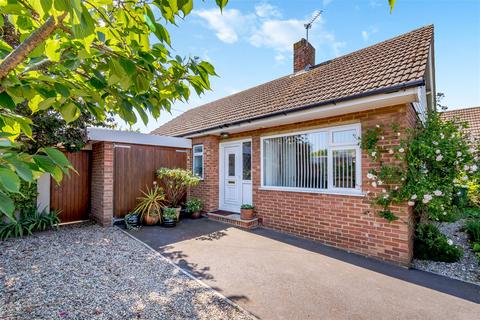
{"x":302,"y":161}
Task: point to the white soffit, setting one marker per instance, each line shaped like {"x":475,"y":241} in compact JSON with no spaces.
{"x":356,"y":105}
{"x":99,"y":134}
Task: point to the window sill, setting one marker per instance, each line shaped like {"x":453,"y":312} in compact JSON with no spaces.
{"x":353,"y":193}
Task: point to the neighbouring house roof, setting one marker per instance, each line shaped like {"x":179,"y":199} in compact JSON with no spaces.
{"x":470,"y":115}
{"x":395,"y":63}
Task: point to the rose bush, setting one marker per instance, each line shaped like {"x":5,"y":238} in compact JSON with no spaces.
{"x":434,"y":161}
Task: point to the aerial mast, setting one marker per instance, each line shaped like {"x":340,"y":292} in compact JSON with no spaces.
{"x":315,"y":15}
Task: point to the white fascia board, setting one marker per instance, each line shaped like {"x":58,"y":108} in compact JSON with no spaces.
{"x":99,"y":134}
{"x":357,"y":105}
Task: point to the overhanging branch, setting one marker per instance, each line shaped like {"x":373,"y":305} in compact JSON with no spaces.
{"x":20,"y":53}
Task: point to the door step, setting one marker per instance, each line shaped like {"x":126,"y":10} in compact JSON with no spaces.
{"x":232,"y":218}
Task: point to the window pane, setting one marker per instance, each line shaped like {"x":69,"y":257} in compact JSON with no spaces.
{"x":247,"y":160}
{"x":296,"y":161}
{"x":198,"y":149}
{"x":198,"y":166}
{"x":344,"y":168}
{"x":231,"y":165}
{"x":345,"y":136}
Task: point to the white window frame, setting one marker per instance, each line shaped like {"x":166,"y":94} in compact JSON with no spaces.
{"x":203,"y":159}
{"x":357,"y":191}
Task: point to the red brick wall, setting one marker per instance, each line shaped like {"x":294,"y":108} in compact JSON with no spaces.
{"x":102,"y":183}
{"x":338,"y":220}
{"x":207,"y":190}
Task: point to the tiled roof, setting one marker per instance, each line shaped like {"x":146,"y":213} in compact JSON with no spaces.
{"x":395,"y":62}
{"x":470,"y":115}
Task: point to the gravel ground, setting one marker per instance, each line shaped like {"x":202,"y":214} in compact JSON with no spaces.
{"x":467,"y":269}
{"x":89,"y":272}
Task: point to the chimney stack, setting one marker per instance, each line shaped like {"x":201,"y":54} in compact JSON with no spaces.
{"x":303,"y":55}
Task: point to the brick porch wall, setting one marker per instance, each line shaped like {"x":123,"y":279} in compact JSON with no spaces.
{"x":207,"y":190}
{"x":102,"y":183}
{"x":344,"y":221}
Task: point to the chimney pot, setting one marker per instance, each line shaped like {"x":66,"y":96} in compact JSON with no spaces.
{"x":303,"y":55}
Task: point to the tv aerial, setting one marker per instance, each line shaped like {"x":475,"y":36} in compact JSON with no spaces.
{"x":315,"y":15}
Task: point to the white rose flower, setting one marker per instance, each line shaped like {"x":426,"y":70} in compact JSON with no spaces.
{"x":401,"y":150}
{"x":413,"y":197}
{"x":459,"y":154}
{"x":369,"y":176}
{"x":439,"y":157}
{"x":438,"y":193}
{"x":411,"y":203}
{"x":450,"y":242}
{"x":380,"y":182}
{"x":384,"y":190}
{"x":385,"y":196}
{"x":378,"y":126}
{"x":442,"y":135}
{"x":396,"y":188}
{"x":398,"y":134}
{"x":466,"y":167}
{"x":390,"y":151}
{"x":427,"y":198}
{"x":435,"y":143}
{"x":444,"y":213}
{"x":374,"y":154}
{"x":437,"y":151}
{"x":474,"y":168}
{"x":383,"y":138}
{"x":464,"y":178}
{"x":374,"y":184}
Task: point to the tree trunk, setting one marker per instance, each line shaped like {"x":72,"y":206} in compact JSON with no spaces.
{"x":21,"y":52}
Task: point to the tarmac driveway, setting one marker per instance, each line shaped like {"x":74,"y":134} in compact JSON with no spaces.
{"x":277,"y":276}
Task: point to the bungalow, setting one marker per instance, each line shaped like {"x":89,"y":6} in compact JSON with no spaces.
{"x":290,"y":146}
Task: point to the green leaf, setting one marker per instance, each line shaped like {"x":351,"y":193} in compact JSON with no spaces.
{"x":52,"y":51}
{"x":69,"y":112}
{"x":7,"y":206}
{"x":9,"y":180}
{"x":62,"y":89}
{"x":221,"y":3}
{"x":392,"y":4}
{"x":57,"y":157}
{"x":6,"y":101}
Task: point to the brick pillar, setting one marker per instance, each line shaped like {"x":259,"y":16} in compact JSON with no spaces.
{"x":102,"y":183}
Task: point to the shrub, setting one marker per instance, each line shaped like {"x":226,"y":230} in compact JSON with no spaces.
{"x":29,"y":222}
{"x":472,"y":227}
{"x":473,"y":213}
{"x":247,"y":206}
{"x":434,"y":162}
{"x":473,"y":193}
{"x":431,"y":244}
{"x":26,"y":199}
{"x":175,"y":183}
{"x":194,"y":205}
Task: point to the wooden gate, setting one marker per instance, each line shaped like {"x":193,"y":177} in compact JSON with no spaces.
{"x":72,"y":196}
{"x":135,"y":167}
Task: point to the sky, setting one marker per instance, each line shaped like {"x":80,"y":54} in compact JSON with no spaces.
{"x":251,"y":41}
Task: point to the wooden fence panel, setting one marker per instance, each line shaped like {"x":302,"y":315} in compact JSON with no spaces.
{"x":72,"y":196}
{"x":134,"y":170}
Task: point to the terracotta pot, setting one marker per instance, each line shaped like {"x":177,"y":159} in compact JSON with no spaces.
{"x":178,"y":210}
{"x":195,"y":215}
{"x":246,"y":214}
{"x":151,"y":220}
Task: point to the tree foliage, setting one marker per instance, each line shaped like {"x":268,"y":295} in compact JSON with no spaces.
{"x":78,"y":57}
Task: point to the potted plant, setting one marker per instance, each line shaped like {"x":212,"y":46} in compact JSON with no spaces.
{"x":132,"y":221}
{"x":169,"y":217}
{"x":246,"y":212}
{"x":194,"y":206}
{"x":150,"y":205}
{"x":176,"y":182}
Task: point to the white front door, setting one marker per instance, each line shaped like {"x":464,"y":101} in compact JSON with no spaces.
{"x":234,"y":190}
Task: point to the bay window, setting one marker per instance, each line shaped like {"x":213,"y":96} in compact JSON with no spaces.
{"x":326,"y":159}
